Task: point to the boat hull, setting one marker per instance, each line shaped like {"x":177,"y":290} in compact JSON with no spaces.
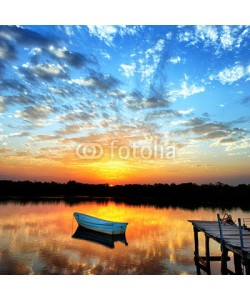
{"x":100,"y":225}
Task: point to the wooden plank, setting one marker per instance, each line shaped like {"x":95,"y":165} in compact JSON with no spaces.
{"x":237,"y":242}
{"x":247,"y":236}
{"x":215,"y":258}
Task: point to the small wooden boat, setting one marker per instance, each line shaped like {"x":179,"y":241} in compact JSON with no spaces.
{"x":96,"y":224}
{"x":100,"y":238}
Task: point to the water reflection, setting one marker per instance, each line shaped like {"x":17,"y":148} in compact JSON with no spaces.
{"x":37,"y":239}
{"x":99,"y":238}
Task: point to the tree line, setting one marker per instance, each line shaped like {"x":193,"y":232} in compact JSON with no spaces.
{"x":159,"y":194}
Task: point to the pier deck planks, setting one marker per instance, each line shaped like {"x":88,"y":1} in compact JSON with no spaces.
{"x":231,"y":235}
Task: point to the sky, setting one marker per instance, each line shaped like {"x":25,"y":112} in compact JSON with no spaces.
{"x":125,"y":104}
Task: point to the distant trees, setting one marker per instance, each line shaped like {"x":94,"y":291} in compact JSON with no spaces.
{"x":184,"y":194}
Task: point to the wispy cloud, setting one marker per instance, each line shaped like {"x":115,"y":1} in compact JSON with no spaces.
{"x":128,"y":70}
{"x":137,"y":101}
{"x":107,"y":33}
{"x":221,"y":38}
{"x":99,"y":81}
{"x":175,"y":60}
{"x":230,"y":75}
{"x":185,"y":91}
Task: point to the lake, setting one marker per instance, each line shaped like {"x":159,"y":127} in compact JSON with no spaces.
{"x":37,"y":239}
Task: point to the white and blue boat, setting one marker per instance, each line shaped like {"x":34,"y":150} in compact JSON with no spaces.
{"x":100,"y":225}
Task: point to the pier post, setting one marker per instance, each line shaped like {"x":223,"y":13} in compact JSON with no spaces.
{"x":207,"y":255}
{"x":237,"y":264}
{"x":224,"y":255}
{"x":196,"y":250}
{"x":247,"y":267}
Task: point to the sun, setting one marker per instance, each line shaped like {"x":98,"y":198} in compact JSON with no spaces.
{"x":112,"y":171}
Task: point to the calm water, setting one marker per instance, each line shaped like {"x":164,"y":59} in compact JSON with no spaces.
{"x":37,"y":239}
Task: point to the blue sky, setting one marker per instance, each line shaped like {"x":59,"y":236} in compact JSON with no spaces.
{"x":186,"y":86}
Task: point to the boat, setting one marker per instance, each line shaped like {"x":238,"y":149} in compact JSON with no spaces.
{"x":100,"y":238}
{"x":100,"y":225}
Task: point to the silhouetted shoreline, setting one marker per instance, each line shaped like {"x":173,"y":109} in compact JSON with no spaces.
{"x":187,"y":195}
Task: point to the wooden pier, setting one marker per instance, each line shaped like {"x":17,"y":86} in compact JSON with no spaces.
{"x":231,"y":238}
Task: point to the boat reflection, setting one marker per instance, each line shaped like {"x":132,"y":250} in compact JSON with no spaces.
{"x":106,"y":240}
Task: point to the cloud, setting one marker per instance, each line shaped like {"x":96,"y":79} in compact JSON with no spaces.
{"x":129,"y":29}
{"x":169,"y":35}
{"x":103,"y":82}
{"x":104,"y":33}
{"x":119,"y":94}
{"x":44,"y":137}
{"x":108,"y":33}
{"x":76,"y":128}
{"x":204,"y":128}
{"x":209,"y":34}
{"x":70,"y":129}
{"x":16,"y":99}
{"x":175,"y":60}
{"x":62,"y":91}
{"x":76,"y":115}
{"x":221,"y":38}
{"x":227,"y":40}
{"x":42,"y":46}
{"x":157,"y":48}
{"x":186,"y":111}
{"x":25,"y":37}
{"x":74,"y":59}
{"x":185,"y":91}
{"x":201,"y":129}
{"x":233,"y":143}
{"x":128,"y":70}
{"x":7,"y":51}
{"x":136,"y":101}
{"x":153,"y":57}
{"x":222,"y":133}
{"x":106,"y":55}
{"x":69,"y":31}
{"x":13,"y":134}
{"x":230,"y":140}
{"x":194,"y":122}
{"x":2,"y":104}
{"x":12,"y":84}
{"x":34,"y":114}
{"x":166,"y":114}
{"x":47,"y":72}
{"x":214,"y":135}
{"x":229,"y":75}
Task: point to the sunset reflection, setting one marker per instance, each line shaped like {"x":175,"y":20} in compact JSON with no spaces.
{"x":37,"y":239}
